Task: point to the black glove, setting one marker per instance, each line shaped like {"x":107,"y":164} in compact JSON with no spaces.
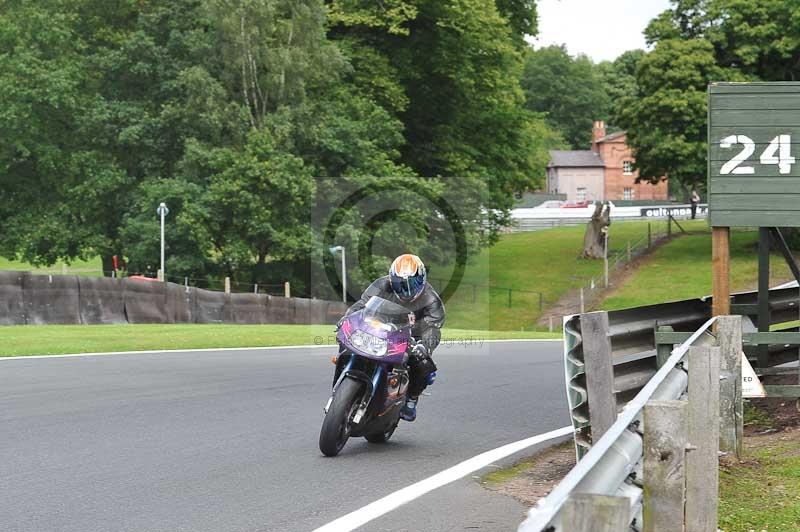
{"x":420,"y":351}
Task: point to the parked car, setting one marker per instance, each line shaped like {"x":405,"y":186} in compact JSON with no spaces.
{"x":551,"y":204}
{"x":575,"y":205}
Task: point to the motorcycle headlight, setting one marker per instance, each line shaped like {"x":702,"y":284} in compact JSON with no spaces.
{"x":369,"y":343}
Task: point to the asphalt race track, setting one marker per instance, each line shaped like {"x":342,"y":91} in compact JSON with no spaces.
{"x":227,"y":441}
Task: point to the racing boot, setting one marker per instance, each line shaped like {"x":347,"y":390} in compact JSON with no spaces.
{"x":409,"y":410}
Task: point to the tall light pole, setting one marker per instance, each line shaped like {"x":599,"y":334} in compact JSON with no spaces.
{"x":162,"y":211}
{"x":333,"y":250}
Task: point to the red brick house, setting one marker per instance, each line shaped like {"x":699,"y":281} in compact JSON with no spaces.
{"x":603,"y":173}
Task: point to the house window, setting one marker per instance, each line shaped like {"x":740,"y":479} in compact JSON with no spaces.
{"x":627,"y":193}
{"x":581,"y":194}
{"x":627,"y":167}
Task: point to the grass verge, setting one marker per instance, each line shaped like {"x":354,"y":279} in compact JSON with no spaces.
{"x":546,"y":262}
{"x":681,"y":269}
{"x":63,"y":339}
{"x":762,"y":493}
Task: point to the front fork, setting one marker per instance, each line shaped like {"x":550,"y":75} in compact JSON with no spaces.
{"x":372,"y":387}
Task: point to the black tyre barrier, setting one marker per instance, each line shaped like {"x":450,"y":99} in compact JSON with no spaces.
{"x":26,"y":298}
{"x":246,"y":308}
{"x":280,"y":309}
{"x":145,"y":301}
{"x":12,"y":304}
{"x":209,"y":306}
{"x":102,"y":300}
{"x":181,"y":303}
{"x":51,"y":299}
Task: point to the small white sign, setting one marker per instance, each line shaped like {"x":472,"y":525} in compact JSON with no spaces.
{"x":751,"y":385}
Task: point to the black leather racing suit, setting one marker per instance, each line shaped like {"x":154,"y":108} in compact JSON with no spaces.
{"x":428,"y":312}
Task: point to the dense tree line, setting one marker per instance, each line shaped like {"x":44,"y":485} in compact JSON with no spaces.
{"x":660,"y":96}
{"x":697,"y":42}
{"x":247,"y":117}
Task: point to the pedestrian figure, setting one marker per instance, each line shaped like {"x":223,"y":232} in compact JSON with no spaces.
{"x":695,"y":200}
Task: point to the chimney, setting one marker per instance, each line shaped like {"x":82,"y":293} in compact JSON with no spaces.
{"x":598,"y":132}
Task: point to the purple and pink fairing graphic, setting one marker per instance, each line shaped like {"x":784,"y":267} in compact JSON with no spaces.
{"x":397,"y":340}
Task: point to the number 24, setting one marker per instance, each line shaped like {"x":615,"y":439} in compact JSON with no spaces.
{"x":777,"y":152}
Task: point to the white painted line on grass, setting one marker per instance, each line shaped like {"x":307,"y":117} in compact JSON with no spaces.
{"x":213,"y":349}
{"x":394,"y":500}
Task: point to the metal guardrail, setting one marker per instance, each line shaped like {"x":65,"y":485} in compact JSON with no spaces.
{"x":614,"y":466}
{"x":634,"y":347}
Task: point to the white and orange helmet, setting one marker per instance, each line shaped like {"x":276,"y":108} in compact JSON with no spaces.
{"x":408,"y":276}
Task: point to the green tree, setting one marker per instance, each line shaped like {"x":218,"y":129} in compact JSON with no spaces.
{"x":666,"y":119}
{"x":619,"y":82}
{"x":697,"y":42}
{"x":569,"y":91}
{"x":450,"y":72}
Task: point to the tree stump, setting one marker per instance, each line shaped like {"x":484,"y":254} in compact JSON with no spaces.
{"x":594,"y":240}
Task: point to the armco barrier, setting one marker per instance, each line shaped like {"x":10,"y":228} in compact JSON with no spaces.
{"x":51,"y":299}
{"x":656,"y":466}
{"x":101,"y":300}
{"x":633,"y":347}
{"x":12,"y":305}
{"x":145,"y":302}
{"x":27,"y":298}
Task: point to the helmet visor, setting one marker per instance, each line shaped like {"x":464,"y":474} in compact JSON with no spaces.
{"x":408,"y":287}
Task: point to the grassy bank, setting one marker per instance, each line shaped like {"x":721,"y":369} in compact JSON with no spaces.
{"x":763,"y":491}
{"x":539,"y":261}
{"x":61,"y":339}
{"x":681,"y":269}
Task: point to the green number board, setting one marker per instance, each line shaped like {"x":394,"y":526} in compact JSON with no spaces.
{"x":754,"y":154}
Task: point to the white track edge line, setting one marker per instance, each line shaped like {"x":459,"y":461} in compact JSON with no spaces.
{"x":254,"y":348}
{"x":394,"y":500}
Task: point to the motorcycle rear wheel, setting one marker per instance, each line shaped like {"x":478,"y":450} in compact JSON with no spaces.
{"x":336,"y":425}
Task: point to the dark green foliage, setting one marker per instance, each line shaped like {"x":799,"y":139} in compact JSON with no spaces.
{"x":569,"y":91}
{"x":697,"y":42}
{"x":249,"y":118}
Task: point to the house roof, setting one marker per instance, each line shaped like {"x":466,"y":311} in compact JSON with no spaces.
{"x":574,"y":158}
{"x":612,"y":136}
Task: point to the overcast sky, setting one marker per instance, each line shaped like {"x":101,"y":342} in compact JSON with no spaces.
{"x":601,"y":29}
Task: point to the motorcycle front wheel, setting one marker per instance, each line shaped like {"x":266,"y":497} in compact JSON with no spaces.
{"x":336,"y":425}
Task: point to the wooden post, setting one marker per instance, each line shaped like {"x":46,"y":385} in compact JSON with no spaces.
{"x":255,"y":288}
{"x":665,"y":436}
{"x":702,"y":457}
{"x":663,"y":351}
{"x":669,"y":225}
{"x":721,"y":273}
{"x":649,"y":236}
{"x":550,"y":323}
{"x":585,"y":512}
{"x":764,"y":240}
{"x":160,"y":275}
{"x":583,"y":307}
{"x":731,"y":413}
{"x":227,"y":285}
{"x":287,"y":289}
{"x":599,"y":370}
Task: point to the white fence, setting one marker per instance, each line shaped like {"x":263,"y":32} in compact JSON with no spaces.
{"x":543,"y":218}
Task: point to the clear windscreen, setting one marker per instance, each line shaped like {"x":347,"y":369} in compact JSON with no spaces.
{"x":386,"y":312}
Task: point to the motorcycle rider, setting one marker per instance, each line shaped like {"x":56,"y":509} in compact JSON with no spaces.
{"x":407,"y":285}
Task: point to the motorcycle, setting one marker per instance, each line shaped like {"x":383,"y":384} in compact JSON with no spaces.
{"x":371,"y":378}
